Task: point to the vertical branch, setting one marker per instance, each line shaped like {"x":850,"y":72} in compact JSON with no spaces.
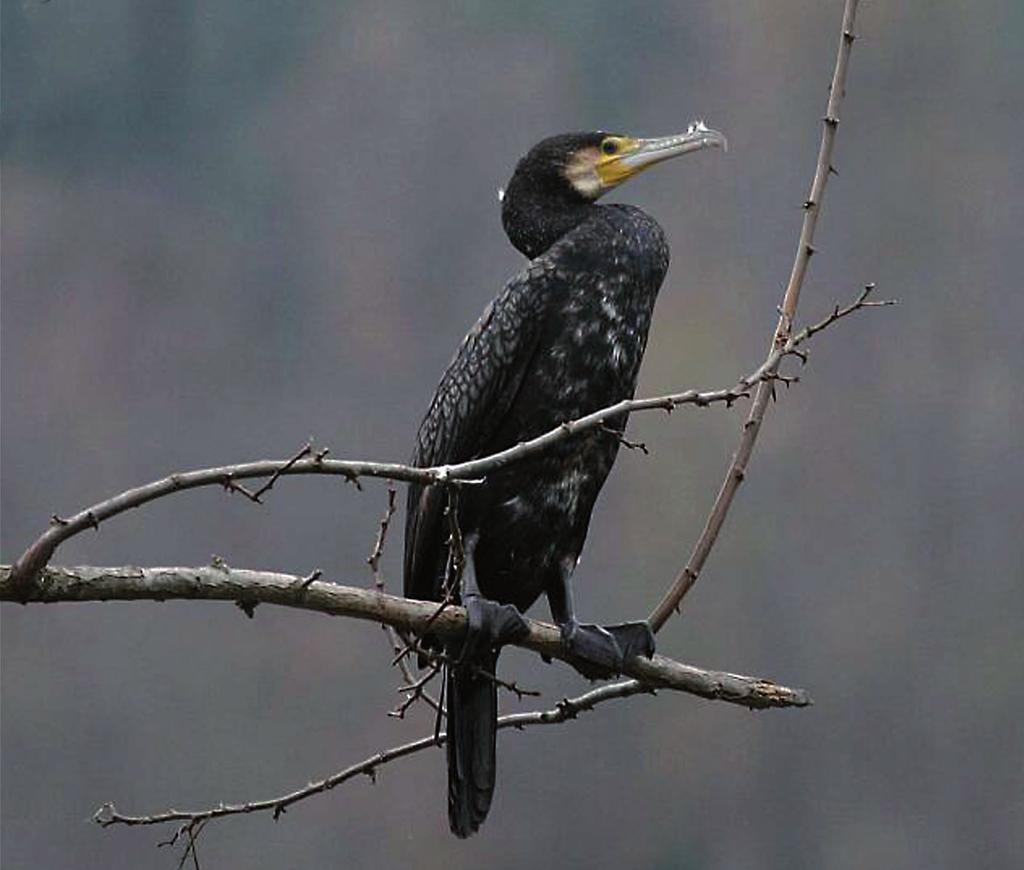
{"x":824,"y":168}
{"x":752,"y":425}
{"x":414,"y":689}
{"x":373,"y":560}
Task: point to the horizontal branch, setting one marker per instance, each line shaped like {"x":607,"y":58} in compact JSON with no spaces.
{"x":566,"y":709}
{"x":250,"y":588}
{"x":26,"y":569}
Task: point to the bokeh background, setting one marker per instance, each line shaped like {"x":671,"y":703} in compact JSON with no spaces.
{"x":230,"y":226}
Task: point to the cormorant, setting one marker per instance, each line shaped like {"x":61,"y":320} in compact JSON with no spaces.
{"x":564,"y":338}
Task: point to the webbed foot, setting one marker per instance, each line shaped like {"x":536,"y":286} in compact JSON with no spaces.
{"x":490,"y":625}
{"x":601,"y":651}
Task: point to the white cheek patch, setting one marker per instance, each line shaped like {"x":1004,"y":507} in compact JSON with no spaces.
{"x":581,"y":173}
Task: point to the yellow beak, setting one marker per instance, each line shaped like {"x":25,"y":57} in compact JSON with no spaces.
{"x":636,"y":155}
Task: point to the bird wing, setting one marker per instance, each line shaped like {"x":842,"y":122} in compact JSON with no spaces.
{"x":474,"y":394}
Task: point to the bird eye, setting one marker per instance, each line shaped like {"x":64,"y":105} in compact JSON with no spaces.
{"x":609,"y":146}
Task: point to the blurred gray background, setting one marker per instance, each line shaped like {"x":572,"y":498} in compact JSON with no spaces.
{"x":230,"y":226}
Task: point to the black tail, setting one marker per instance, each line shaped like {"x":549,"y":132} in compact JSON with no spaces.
{"x":472,"y":735}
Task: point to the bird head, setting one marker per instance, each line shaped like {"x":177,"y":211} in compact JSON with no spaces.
{"x":588,"y":165}
{"x":555,"y":184}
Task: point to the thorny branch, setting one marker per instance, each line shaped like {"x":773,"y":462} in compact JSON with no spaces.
{"x":373,"y":560}
{"x":39,"y":553}
{"x":414,"y":689}
{"x":414,"y":617}
{"x":441,"y":658}
{"x":784,"y":342}
{"x":30,"y":580}
{"x":223,"y":583}
{"x":565,"y":710}
{"x":397,"y":643}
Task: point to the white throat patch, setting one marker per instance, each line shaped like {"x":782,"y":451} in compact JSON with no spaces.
{"x":581,"y":172}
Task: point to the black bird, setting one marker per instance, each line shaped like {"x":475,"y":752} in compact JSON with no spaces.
{"x":564,"y":338}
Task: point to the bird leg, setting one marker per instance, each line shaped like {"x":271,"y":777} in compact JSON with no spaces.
{"x":599,"y":652}
{"x":489,"y":625}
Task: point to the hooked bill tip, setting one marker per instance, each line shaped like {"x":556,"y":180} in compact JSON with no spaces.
{"x":698,"y":126}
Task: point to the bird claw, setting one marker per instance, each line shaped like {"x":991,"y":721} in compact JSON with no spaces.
{"x":490,"y":625}
{"x":599,"y":652}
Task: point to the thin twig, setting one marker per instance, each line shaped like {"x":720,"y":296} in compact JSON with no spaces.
{"x":415,"y":690}
{"x":624,"y":441}
{"x":838,"y":313}
{"x":564,"y":711}
{"x":442,"y":658}
{"x":373,"y":560}
{"x":781,"y":339}
{"x":411,"y":644}
{"x":304,"y":451}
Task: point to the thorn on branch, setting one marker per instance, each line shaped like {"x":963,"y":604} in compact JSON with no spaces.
{"x":833,"y":171}
{"x":57,"y":521}
{"x":567,"y":709}
{"x":231,"y":485}
{"x":247,"y":606}
{"x":733,"y":395}
{"x":308,"y":580}
{"x":515,"y":688}
{"x":624,"y":441}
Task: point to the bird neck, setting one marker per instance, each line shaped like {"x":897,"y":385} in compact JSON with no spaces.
{"x":535,"y":217}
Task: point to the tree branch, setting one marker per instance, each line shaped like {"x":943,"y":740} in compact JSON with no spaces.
{"x":566,"y":709}
{"x":250,"y":588}
{"x":29,"y":580}
{"x":26,"y":569}
{"x":782,"y":338}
